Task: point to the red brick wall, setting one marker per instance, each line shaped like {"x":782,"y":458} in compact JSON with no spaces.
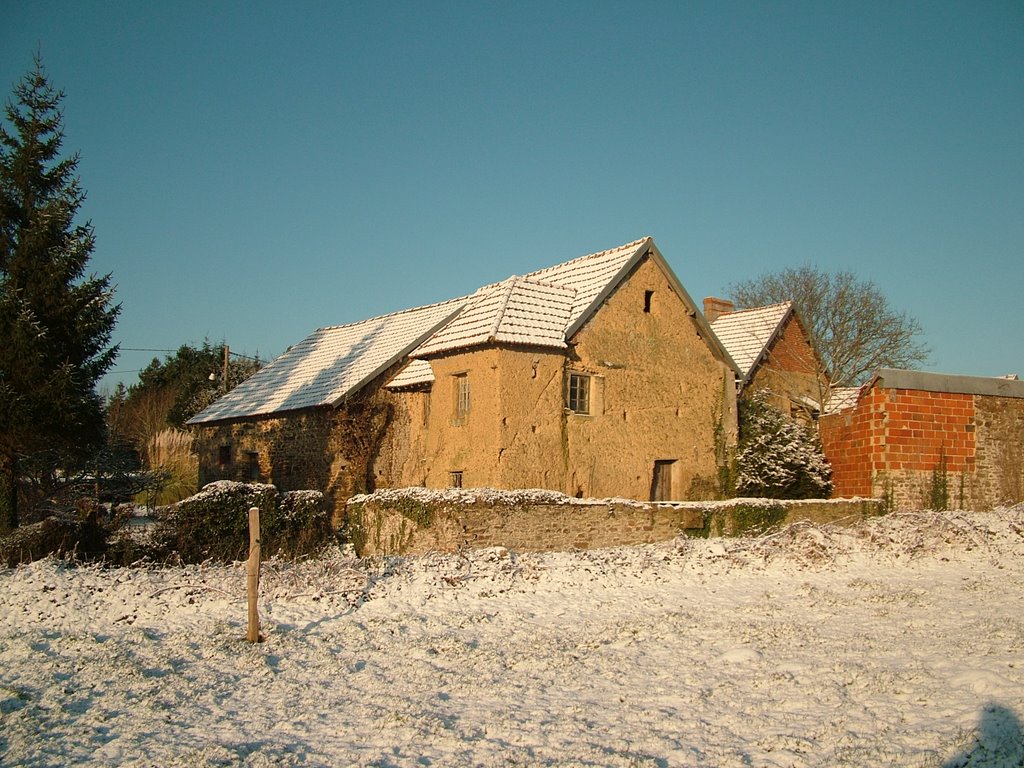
{"x":900,"y":435}
{"x":792,"y":352}
{"x":854,"y":444}
{"x":924,"y":425}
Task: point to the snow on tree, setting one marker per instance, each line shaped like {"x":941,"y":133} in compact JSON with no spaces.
{"x":777,"y":457}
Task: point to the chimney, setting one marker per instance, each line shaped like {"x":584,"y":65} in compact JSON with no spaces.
{"x":714,"y":307}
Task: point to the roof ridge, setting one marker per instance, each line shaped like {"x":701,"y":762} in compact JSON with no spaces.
{"x":547,"y":284}
{"x":788,"y":302}
{"x":396,"y":313}
{"x":510,"y":286}
{"x":605,"y":252}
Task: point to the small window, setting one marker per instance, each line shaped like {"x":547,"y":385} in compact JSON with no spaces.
{"x":224,"y":455}
{"x":579,"y":393}
{"x":648,"y":298}
{"x":456,"y":479}
{"x":461,"y":395}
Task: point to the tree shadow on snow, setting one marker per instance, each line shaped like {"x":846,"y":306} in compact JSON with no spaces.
{"x":1000,"y":741}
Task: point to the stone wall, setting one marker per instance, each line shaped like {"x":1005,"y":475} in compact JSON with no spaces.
{"x":416,"y":521}
{"x":999,"y":461}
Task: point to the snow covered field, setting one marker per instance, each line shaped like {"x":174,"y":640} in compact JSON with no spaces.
{"x":897,"y":643}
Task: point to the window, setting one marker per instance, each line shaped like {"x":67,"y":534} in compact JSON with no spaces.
{"x":648,"y":297}
{"x":461,"y":395}
{"x":456,"y":479}
{"x":224,"y":455}
{"x":579,"y":393}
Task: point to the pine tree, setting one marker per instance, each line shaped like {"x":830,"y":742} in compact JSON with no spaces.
{"x":55,"y":322}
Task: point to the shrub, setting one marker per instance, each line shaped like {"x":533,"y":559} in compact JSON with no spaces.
{"x":778,"y":458}
{"x":303,"y":525}
{"x":69,"y":533}
{"x":214,"y":523}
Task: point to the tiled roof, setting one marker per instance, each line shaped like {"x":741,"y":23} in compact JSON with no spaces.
{"x":516,"y":311}
{"x":591,"y":277}
{"x":544,"y":308}
{"x":747,"y":334}
{"x":841,"y":399}
{"x":417,"y":372}
{"x":330,"y":363}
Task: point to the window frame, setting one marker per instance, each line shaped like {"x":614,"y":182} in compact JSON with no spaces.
{"x":578,"y":393}
{"x":463,"y":400}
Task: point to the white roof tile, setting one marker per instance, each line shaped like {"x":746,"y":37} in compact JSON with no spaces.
{"x":842,"y":398}
{"x":417,"y":372}
{"x":745,"y":334}
{"x":329,"y":364}
{"x":516,"y":311}
{"x":542,"y":308}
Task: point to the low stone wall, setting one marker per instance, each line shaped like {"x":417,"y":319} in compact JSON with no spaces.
{"x":417,"y":520}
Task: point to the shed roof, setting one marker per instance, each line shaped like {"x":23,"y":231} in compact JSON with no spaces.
{"x":927,"y":381}
{"x":749,"y":333}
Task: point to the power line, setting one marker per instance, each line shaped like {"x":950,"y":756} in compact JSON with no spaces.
{"x":153,"y":349}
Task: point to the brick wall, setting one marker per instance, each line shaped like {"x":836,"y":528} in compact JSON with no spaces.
{"x":894,"y":440}
{"x":853,"y":441}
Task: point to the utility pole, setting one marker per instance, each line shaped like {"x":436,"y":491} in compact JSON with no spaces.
{"x":224,"y":378}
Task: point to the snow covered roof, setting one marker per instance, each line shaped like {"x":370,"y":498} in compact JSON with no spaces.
{"x":516,"y":311}
{"x":747,"y":334}
{"x":330,"y":363}
{"x":543,"y":308}
{"x":416,"y":373}
{"x":841,"y":399}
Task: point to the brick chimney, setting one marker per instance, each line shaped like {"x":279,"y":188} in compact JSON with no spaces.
{"x":714,"y":307}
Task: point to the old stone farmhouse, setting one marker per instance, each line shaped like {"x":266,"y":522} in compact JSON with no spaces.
{"x":774,"y":354}
{"x":596,"y":377}
{"x":921,"y":439}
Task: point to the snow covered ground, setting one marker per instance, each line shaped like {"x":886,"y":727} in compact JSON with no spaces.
{"x":900,"y":642}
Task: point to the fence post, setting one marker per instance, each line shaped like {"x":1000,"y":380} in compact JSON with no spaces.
{"x":253,"y":575}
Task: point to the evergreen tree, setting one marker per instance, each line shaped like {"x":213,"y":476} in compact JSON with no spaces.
{"x":55,"y":322}
{"x":171,"y":391}
{"x":778,"y":458}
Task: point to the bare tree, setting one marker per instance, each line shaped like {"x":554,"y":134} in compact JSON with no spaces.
{"x":850,"y":321}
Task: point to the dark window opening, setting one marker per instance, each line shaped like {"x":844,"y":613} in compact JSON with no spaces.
{"x":648,"y":296}
{"x":456,"y":479}
{"x":579,"y":393}
{"x":224,"y":455}
{"x":253,"y":466}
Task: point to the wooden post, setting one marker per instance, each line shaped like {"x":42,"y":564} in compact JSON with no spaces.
{"x":253,"y":574}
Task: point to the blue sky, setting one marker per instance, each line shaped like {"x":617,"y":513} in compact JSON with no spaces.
{"x":257,"y":170}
